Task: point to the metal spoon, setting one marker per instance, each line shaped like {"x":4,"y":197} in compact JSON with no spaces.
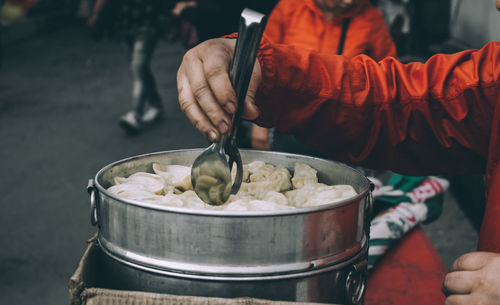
{"x":211,"y":171}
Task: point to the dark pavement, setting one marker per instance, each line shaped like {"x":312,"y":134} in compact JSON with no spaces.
{"x":61,"y":95}
{"x":60,"y":99}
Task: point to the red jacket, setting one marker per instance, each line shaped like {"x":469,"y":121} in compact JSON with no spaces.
{"x":301,"y":23}
{"x":441,"y":117}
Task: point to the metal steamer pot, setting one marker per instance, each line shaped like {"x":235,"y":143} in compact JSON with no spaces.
{"x":316,"y":254}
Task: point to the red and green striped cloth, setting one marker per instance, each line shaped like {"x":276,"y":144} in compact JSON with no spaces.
{"x":401,"y":205}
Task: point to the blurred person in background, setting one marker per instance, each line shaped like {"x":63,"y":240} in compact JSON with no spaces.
{"x":140,"y":24}
{"x":15,"y":10}
{"x":12,"y":11}
{"x":437,"y":117}
{"x":347,"y":27}
{"x":199,"y":20}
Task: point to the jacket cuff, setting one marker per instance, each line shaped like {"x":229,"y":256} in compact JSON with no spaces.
{"x":232,"y":36}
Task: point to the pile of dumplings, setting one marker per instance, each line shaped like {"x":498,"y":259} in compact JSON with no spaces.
{"x":264,"y":187}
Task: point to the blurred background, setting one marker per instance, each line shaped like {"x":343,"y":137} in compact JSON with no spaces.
{"x":66,"y":82}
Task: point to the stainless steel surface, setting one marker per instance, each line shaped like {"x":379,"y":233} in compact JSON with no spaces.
{"x":327,"y":285}
{"x":250,"y":32}
{"x":234,"y":246}
{"x":94,"y":201}
{"x":232,"y":272}
{"x":212,"y":164}
{"x":215,"y":237}
{"x":355,"y":284}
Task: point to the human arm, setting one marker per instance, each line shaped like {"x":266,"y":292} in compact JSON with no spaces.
{"x":415,"y":119}
{"x":474,"y":278}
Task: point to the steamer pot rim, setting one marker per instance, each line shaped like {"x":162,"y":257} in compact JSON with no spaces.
{"x":207,"y":276}
{"x":221,"y":213}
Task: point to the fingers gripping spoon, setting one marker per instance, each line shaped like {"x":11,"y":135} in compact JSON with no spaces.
{"x":211,"y":171}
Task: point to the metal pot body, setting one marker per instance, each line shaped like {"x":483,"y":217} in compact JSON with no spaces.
{"x":342,"y":283}
{"x":308,"y":254}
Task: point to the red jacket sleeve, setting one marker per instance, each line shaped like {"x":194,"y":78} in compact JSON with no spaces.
{"x":415,"y":119}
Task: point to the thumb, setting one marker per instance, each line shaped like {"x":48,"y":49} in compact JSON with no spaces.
{"x":250,"y":110}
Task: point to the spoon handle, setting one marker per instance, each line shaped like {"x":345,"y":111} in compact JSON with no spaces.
{"x":250,"y":31}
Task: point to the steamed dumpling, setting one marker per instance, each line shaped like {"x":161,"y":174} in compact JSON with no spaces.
{"x":145,"y":181}
{"x":257,"y":189}
{"x":303,"y":174}
{"x":259,"y":171}
{"x":281,"y":179}
{"x":276,"y":197}
{"x":245,"y":175}
{"x":169,"y":200}
{"x":130,"y":191}
{"x":191,"y":200}
{"x":318,"y":194}
{"x":175,"y":176}
{"x":264,"y":187}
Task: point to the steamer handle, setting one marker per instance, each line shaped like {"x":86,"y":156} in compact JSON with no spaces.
{"x":370,"y":202}
{"x":355,"y":285}
{"x":369,"y":210}
{"x":94,"y":202}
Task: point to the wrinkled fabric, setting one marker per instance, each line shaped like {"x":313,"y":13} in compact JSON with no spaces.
{"x":438,"y":117}
{"x":399,"y":207}
{"x":301,"y":23}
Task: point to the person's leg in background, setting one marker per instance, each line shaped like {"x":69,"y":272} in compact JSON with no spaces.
{"x":142,"y":44}
{"x":154,"y":107}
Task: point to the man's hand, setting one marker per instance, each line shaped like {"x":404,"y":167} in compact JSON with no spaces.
{"x":205,"y":92}
{"x":474,"y":279}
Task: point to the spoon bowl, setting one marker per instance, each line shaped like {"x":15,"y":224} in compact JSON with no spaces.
{"x":210,"y":175}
